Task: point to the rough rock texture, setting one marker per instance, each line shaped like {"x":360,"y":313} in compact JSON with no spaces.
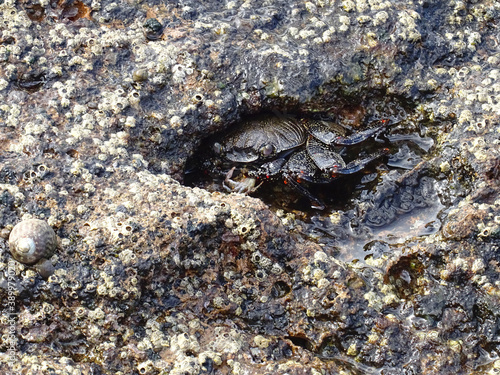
{"x":101,"y":104}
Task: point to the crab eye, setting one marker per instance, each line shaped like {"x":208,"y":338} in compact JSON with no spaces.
{"x":217,"y":147}
{"x":266,"y":150}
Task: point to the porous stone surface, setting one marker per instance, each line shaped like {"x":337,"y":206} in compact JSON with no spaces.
{"x":99,"y":110}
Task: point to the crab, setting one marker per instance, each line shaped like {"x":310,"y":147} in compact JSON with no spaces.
{"x":294,"y":150}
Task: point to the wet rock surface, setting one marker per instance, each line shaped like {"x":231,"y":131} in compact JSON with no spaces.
{"x":101,"y":105}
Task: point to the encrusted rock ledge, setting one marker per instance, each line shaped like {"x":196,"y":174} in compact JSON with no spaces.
{"x":102,"y":103}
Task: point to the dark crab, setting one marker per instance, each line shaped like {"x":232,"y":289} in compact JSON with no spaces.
{"x":295,"y":150}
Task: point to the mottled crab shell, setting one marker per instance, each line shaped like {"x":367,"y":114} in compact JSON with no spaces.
{"x":31,"y":240}
{"x":262,"y":139}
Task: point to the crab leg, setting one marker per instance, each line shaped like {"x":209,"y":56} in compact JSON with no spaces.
{"x":331,"y":133}
{"x":315,"y":202}
{"x":323,"y":156}
{"x":357,"y":137}
{"x":358,"y":164}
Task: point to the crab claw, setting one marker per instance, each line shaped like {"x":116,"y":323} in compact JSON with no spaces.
{"x":244,"y":185}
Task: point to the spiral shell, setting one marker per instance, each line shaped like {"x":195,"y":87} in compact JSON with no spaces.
{"x":31,"y":240}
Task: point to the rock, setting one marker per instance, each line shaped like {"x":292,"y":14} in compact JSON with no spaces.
{"x":154,"y":276}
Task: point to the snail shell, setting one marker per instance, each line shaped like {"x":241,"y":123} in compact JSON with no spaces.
{"x":31,"y":240}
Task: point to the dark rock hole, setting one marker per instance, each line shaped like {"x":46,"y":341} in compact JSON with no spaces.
{"x":371,"y":173}
{"x":400,"y":143}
